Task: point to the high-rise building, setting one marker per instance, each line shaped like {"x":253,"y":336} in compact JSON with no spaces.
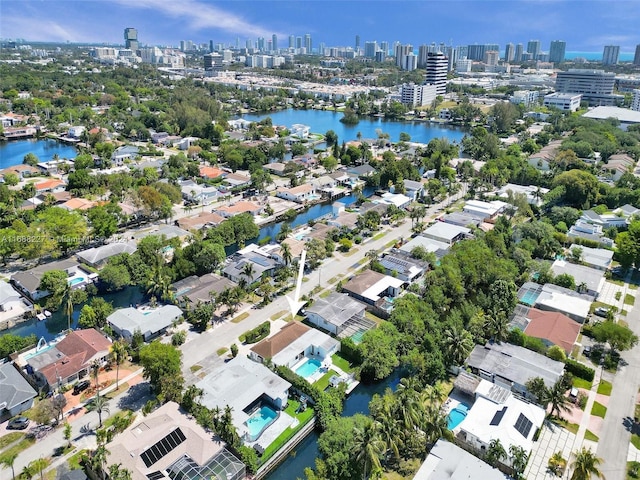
{"x":636,"y":57}
{"x":417,"y":95}
{"x":437,"y":69}
{"x":452,"y":54}
{"x":292,"y":41}
{"x":635,"y":104}
{"x":248,"y":44}
{"x":557,"y":51}
{"x":131,"y":38}
{"x":533,"y":47}
{"x":596,"y":86}
{"x":183,"y":45}
{"x":321,"y":48}
{"x":307,"y":43}
{"x":519,"y":51}
{"x":357,"y":42}
{"x":509,"y":52}
{"x":491,"y":57}
{"x":370,"y":49}
{"x":610,"y":55}
{"x":384,"y":46}
{"x":298,"y":42}
{"x":210,"y":46}
{"x":274,"y":42}
{"x":400,"y":52}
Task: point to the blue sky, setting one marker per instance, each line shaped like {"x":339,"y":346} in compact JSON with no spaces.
{"x":585,"y":25}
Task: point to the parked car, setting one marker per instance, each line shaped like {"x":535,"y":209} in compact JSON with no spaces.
{"x":81,"y":386}
{"x":586,"y":351}
{"x":601,"y":312}
{"x":18,"y":423}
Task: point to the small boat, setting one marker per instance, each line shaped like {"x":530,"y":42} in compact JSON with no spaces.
{"x":41,"y":316}
{"x":47,"y":313}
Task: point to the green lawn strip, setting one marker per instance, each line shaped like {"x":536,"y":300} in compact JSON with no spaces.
{"x":195,"y":368}
{"x":323,"y":382}
{"x":572,"y":427}
{"x":589,"y":435}
{"x":373,"y":317}
{"x":325,"y":294}
{"x":10,"y":438}
{"x":391,"y":243}
{"x":240,"y":317}
{"x":605,"y":387}
{"x":629,"y":299}
{"x":342,"y":363}
{"x":616,"y":281}
{"x":632,"y":467}
{"x":74,"y":460}
{"x":350,"y":252}
{"x":378,"y":236}
{"x":276,"y":316}
{"x":582,"y":383}
{"x":635,"y":440}
{"x":303,"y":419}
{"x":598,"y":410}
{"x":17,"y":448}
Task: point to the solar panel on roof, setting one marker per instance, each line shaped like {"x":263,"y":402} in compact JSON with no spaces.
{"x":262,"y":261}
{"x":162,"y":447}
{"x":523,"y":425}
{"x":497,"y":418}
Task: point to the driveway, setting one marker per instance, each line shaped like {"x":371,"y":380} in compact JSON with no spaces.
{"x":553,"y":439}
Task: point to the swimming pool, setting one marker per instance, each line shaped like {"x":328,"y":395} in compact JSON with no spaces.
{"x":457,"y":415}
{"x":308,"y":368}
{"x":76,"y":281}
{"x":260,"y":420}
{"x":357,"y":337}
{"x":530,"y":297}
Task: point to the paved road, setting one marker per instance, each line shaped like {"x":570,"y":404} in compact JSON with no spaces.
{"x":199,"y":350}
{"x":615,"y":436}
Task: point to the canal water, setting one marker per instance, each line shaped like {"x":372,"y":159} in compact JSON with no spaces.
{"x":321,"y":121}
{"x":305,"y":454}
{"x":13,"y":152}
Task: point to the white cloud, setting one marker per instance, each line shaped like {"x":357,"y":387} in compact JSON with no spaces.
{"x":40,"y":29}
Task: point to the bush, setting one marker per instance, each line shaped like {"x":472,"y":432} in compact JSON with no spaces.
{"x":250,"y":458}
{"x":234,"y":350}
{"x":178,"y":338}
{"x":258,"y":333}
{"x":579,"y":370}
{"x":350,"y":351}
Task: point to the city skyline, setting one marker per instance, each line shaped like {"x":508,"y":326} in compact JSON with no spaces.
{"x":161,"y":22}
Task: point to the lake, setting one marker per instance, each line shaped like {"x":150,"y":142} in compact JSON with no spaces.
{"x":13,"y":152}
{"x":321,"y":121}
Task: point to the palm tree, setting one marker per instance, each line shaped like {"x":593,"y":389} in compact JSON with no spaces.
{"x":38,"y":465}
{"x":495,"y":452}
{"x":436,"y":425}
{"x":7,"y":460}
{"x":557,"y":398}
{"x":585,"y":465}
{"x":247,"y":271}
{"x":99,"y":405}
{"x":68,"y":308}
{"x":458,"y":344}
{"x":119,"y":352}
{"x":498,"y":327}
{"x":28,"y":471}
{"x":369,"y":447}
{"x":95,"y":372}
{"x":410,"y":408}
{"x":286,"y":253}
{"x":519,"y":459}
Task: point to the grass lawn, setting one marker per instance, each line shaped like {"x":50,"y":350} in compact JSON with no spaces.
{"x":240,"y":317}
{"x":629,"y":299}
{"x":74,"y":460}
{"x":598,"y":410}
{"x":582,"y":383}
{"x":303,"y":419}
{"x":9,"y":438}
{"x":604,"y":387}
{"x":323,"y":382}
{"x":325,"y":294}
{"x":635,"y":440}
{"x":342,"y":363}
{"x":390,"y":244}
{"x":410,"y":466}
{"x":595,"y":305}
{"x":572,"y":427}
{"x":589,"y":435}
{"x":350,"y":252}
{"x":17,"y":448}
{"x":373,"y":317}
{"x":378,"y":236}
{"x":195,"y":368}
{"x":276,"y":316}
{"x":616,"y":281}
{"x":632,"y":467}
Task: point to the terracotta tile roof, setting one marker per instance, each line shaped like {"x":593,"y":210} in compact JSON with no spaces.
{"x":240,"y":207}
{"x":269,"y":347}
{"x":553,"y":326}
{"x":78,"y":204}
{"x":48,"y":184}
{"x":200,"y":220}
{"x":210,"y":172}
{"x":78,"y":348}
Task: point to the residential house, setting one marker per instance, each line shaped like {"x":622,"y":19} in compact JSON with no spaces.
{"x":300,"y":194}
{"x":553,"y":328}
{"x":535,"y":195}
{"x":497,"y":415}
{"x":22,"y":171}
{"x":98,"y":256}
{"x":169,"y":443}
{"x":210,"y":173}
{"x":194,"y":290}
{"x":295,"y":246}
{"x":446,"y":233}
{"x":341,"y":178}
{"x":619,"y":164}
{"x":236,"y":268}
{"x":28,"y":281}
{"x":200,"y":194}
{"x":235,"y":181}
{"x":439,"y":249}
{"x":19,"y":132}
{"x":606,"y":220}
{"x":375,"y":289}
{"x":402,"y":265}
{"x":627,"y":211}
{"x":168,"y":231}
{"x":150,"y":322}
{"x":588,"y":280}
{"x":77,"y":203}
{"x":598,"y":258}
{"x":16,"y":393}
{"x":324,"y":184}
{"x":461,"y":219}
{"x":12,"y":304}
{"x":336,"y":313}
{"x":413,"y":189}
{"x":237,"y":208}
{"x":68,"y":360}
{"x":50,"y":186}
{"x":448,"y":461}
{"x":200,"y":221}
{"x":76,"y":131}
{"x":589,"y":231}
{"x":277,"y":168}
{"x":396,"y":199}
{"x":245,"y":386}
{"x":299,"y":130}
{"x":121,"y":154}
{"x":554,"y":298}
{"x":344,"y":220}
{"x":159,"y":137}
{"x":511,"y":366}
{"x":543,"y":159}
{"x":484,"y":210}
{"x":359,"y":171}
{"x":293,"y":345}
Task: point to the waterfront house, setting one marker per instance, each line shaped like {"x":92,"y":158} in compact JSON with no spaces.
{"x":124,"y":153}
{"x":375,"y":289}
{"x":150,"y":322}
{"x":261,"y":264}
{"x":277,"y":168}
{"x":360,"y":171}
{"x":28,"y":281}
{"x":98,"y":256}
{"x":293,"y":345}
{"x":169,"y":443}
{"x":12,"y":304}
{"x":50,"y":186}
{"x":243,"y":206}
{"x":194,"y":290}
{"x":200,"y":220}
{"x":446,"y":233}
{"x":299,"y":194}
{"x":337,"y":314}
{"x":16,"y":393}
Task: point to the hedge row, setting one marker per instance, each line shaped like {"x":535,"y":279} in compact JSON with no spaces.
{"x":579,"y":370}
{"x":258,"y":333}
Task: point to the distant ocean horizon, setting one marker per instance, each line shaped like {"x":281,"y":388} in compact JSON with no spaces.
{"x":596,"y":56}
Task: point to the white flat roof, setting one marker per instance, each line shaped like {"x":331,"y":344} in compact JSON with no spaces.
{"x":623,"y":114}
{"x":564,"y":303}
{"x":380,"y":286}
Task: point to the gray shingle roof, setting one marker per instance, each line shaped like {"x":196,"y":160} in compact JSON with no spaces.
{"x":96,"y":255}
{"x":337,"y":308}
{"x":14,"y":389}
